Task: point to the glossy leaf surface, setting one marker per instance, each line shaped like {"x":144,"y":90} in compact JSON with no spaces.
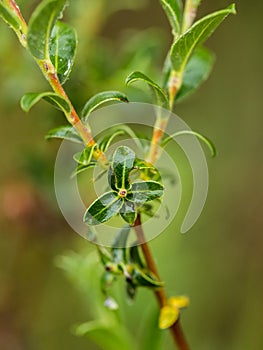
{"x":160,"y":94}
{"x":9,"y":17}
{"x":103,"y":208}
{"x":62,"y":49}
{"x":100,"y":99}
{"x":66,"y":132}
{"x":173,"y":10}
{"x":145,"y":191}
{"x":184,"y":46}
{"x":122,"y":164}
{"x":128,"y":212}
{"x":31,"y":98}
{"x":40,"y":26}
{"x":196,"y":72}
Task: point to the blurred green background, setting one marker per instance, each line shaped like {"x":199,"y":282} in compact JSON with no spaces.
{"x":218,"y":263}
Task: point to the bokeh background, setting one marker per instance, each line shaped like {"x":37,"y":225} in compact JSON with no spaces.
{"x":218,"y":263}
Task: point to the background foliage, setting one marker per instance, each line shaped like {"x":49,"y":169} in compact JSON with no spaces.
{"x":218,"y":264}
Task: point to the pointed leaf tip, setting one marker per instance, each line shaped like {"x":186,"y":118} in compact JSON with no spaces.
{"x":31,"y":98}
{"x":160,"y":94}
{"x":201,"y":30}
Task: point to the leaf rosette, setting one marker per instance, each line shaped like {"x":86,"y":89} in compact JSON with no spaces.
{"x":125,"y":197}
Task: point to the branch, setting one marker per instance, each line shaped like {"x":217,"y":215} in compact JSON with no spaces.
{"x":176,"y":329}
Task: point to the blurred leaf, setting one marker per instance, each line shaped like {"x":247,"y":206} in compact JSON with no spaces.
{"x":105,"y":335}
{"x":66,"y":132}
{"x":154,"y":337}
{"x":197,"y":34}
{"x":146,"y":280}
{"x":62,"y":49}
{"x":173,"y":10}
{"x":107,"y":279}
{"x":160,"y":94}
{"x":145,"y":191}
{"x":203,"y":138}
{"x":142,"y":164}
{"x":40,"y":26}
{"x":122,"y":163}
{"x":80,"y":168}
{"x":103,"y":208}
{"x":84,"y":157}
{"x":196,"y":72}
{"x":105,"y":142}
{"x":9,"y":17}
{"x":104,"y":255}
{"x":128,"y":212}
{"x":31,"y":98}
{"x":168,"y":316}
{"x":135,"y":257}
{"x":131,"y":291}
{"x":101,"y":98}
{"x":119,"y":245}
{"x":179,"y":302}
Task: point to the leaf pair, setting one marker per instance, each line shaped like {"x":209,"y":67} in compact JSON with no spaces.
{"x":50,"y":40}
{"x":120,"y":260}
{"x":125,"y":197}
{"x":169,"y":314}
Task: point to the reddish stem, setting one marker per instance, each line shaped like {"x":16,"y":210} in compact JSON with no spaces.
{"x":176,"y":329}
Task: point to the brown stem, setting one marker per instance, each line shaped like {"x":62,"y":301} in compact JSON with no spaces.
{"x":176,"y":329}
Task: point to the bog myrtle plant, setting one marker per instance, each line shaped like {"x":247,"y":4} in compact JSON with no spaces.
{"x":134,"y":185}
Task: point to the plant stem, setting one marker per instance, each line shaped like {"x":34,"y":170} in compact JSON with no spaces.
{"x":49,"y":72}
{"x":189,"y":13}
{"x":174,"y":84}
{"x":176,"y":329}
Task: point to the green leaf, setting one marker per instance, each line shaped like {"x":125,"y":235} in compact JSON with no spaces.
{"x":203,"y":138}
{"x":135,"y":257}
{"x":85,"y":157}
{"x":66,"y":132}
{"x":131,"y":290}
{"x":128,"y":212}
{"x":147,"y":170}
{"x":119,"y":130}
{"x":119,"y":245}
{"x":80,"y":168}
{"x":122,"y":164}
{"x":112,"y":179}
{"x":62,"y":49}
{"x":160,"y":94}
{"x":104,"y":255}
{"x":107,"y":335}
{"x":31,"y":98}
{"x":101,"y":98}
{"x":144,"y":279}
{"x":145,"y":191}
{"x":9,"y":17}
{"x":196,"y":72}
{"x":40,"y":27}
{"x":173,"y":10}
{"x":184,"y":46}
{"x":103,"y":208}
{"x":105,"y":142}
{"x":142,"y":164}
